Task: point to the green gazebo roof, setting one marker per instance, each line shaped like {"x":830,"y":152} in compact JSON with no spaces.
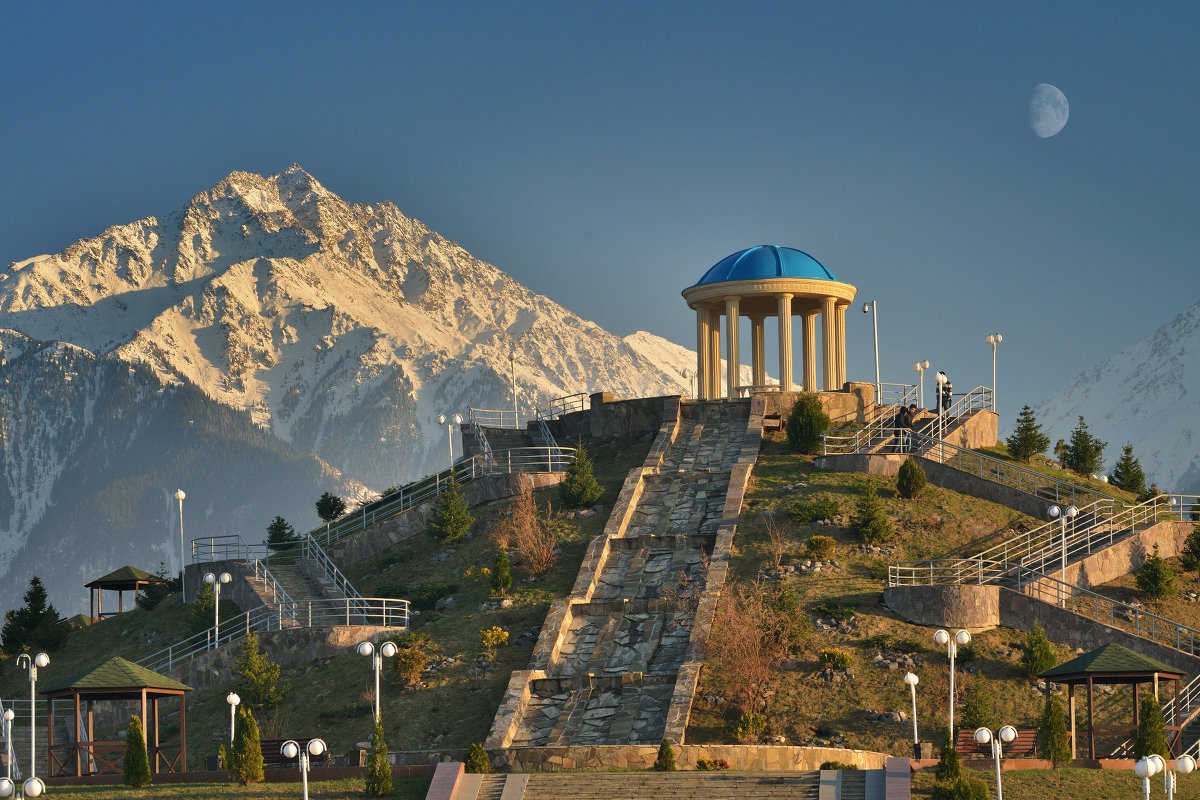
{"x":1110,"y":660}
{"x":125,"y":575}
{"x":114,"y":675}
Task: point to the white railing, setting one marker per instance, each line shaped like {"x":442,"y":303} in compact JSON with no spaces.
{"x":1033,"y":545}
{"x":978,"y":399}
{"x":231,"y":548}
{"x":565,"y":405}
{"x":896,"y":394}
{"x":508,"y":419}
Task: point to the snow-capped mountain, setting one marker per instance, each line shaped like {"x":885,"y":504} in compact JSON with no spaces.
{"x":1148,"y":395}
{"x":345,"y":328}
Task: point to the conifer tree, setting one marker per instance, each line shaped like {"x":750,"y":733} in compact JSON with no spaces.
{"x":806,"y":422}
{"x":1190,"y":557}
{"x":910,"y":481}
{"x":1155,"y":579}
{"x":135,"y":771}
{"x":477,"y":761}
{"x":948,"y":767}
{"x":202,"y":608}
{"x":979,"y":707}
{"x":379,"y":772}
{"x":580,"y":489}
{"x":258,"y":676}
{"x":501,"y":574}
{"x":245,"y":758}
{"x":666,"y":758}
{"x":34,"y":625}
{"x":869,"y":518}
{"x":1039,"y":654}
{"x":1127,"y":473}
{"x":330,"y":507}
{"x":450,"y":519}
{"x":280,"y":534}
{"x":1052,"y":743}
{"x":1151,"y":733}
{"x":1027,"y":439}
{"x":1084,"y":453}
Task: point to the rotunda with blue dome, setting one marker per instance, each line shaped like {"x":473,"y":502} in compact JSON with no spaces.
{"x":769,"y":281}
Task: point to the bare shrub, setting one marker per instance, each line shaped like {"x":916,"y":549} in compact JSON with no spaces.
{"x":531,"y":534}
{"x":750,"y":638}
{"x":777,"y":536}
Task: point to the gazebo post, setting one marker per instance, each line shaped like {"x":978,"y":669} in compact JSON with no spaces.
{"x":183,"y":733}
{"x":732,"y":352}
{"x":702,"y":340}
{"x":49,"y":740}
{"x":1071,"y":711}
{"x":714,"y":354}
{"x":828,"y":343}
{"x":78,"y":744}
{"x":840,"y":316}
{"x":1137,"y":711}
{"x":1091,"y":723}
{"x":91,"y":731}
{"x":154,"y":703}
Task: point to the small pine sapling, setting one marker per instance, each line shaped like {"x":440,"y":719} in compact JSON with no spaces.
{"x":806,"y":423}
{"x":246,"y":758}
{"x":502,"y":574}
{"x":1027,"y":439}
{"x":477,"y":761}
{"x":1190,"y":557}
{"x":450,"y":519}
{"x":1127,"y":473}
{"x":1151,"y":733}
{"x":910,"y":481}
{"x":1155,"y":579}
{"x":666,"y":758}
{"x":1038,"y":655}
{"x":869,"y":518}
{"x":1052,"y":742}
{"x":379,"y":772}
{"x":579,"y":489}
{"x":136,"y":768}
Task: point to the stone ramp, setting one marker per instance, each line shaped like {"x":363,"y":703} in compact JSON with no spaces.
{"x":608,"y":665}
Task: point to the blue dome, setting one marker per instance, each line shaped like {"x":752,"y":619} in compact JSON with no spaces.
{"x":766,"y":261}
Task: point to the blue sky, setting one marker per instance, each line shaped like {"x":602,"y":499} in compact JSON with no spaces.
{"x":588,"y":147}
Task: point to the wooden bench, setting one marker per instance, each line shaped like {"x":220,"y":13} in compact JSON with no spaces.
{"x":772,"y":422}
{"x":273,"y":758}
{"x":1024,"y":746}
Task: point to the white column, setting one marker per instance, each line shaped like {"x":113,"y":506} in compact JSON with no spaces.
{"x":810,"y":351}
{"x":757,"y":345}
{"x":829,"y":343}
{"x":840,"y":316}
{"x":785,"y":342}
{"x":702,"y":352}
{"x":714,"y":352}
{"x":732,"y":308}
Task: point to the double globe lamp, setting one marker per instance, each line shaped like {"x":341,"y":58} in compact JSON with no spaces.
{"x":1151,"y":765}
{"x":315,"y":748}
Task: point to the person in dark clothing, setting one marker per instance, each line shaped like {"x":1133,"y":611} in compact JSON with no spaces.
{"x":947,"y":392}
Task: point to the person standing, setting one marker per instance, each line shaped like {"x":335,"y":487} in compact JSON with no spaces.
{"x":947,"y":392}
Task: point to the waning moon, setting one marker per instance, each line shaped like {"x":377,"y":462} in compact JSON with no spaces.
{"x":1048,"y":110}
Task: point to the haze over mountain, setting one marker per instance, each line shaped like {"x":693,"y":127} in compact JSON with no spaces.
{"x":1147,"y":395}
{"x":322,"y":327}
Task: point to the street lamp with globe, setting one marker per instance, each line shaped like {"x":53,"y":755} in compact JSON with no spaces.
{"x":385,"y":650}
{"x":291,"y":748}
{"x":33,"y":786}
{"x":912,"y":680}
{"x":1062,"y":515}
{"x":217,"y":581}
{"x":233,"y":699}
{"x":952,"y":643}
{"x":451,"y":423}
{"x":1005,"y":735}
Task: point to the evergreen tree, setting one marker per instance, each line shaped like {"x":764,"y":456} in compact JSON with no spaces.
{"x":155,"y":592}
{"x":1052,"y":743}
{"x":330,"y":507}
{"x":202,"y":608}
{"x":501,"y":575}
{"x":136,"y":768}
{"x":281,"y":535}
{"x":1084,"y":453}
{"x":1155,"y":579}
{"x":34,"y":625}
{"x":379,"y":772}
{"x":666,"y":758}
{"x":948,"y":767}
{"x":1190,"y":557}
{"x":806,"y":422}
{"x":258,"y":676}
{"x":1128,"y":474}
{"x":910,"y":481}
{"x":477,"y":761}
{"x":580,"y":489}
{"x":869,"y":518}
{"x":245,"y":760}
{"x":979,"y":707}
{"x":450,"y":519}
{"x":1027,"y":439}
{"x":1151,"y":733}
{"x":1039,"y":654}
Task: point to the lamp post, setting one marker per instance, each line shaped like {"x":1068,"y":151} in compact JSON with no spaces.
{"x":951,"y":644}
{"x":216,"y":581}
{"x":291,"y":748}
{"x":179,"y":495}
{"x":994,"y":339}
{"x":1183,"y":765}
{"x":920,"y":368}
{"x":1145,"y":768}
{"x":233,"y":699}
{"x":6,"y":785}
{"x":385,"y":650}
{"x":512,"y":363}
{"x":33,"y":786}
{"x":450,"y":423}
{"x":870,"y":308}
{"x":1062,"y":515}
{"x":1006,"y":735}
{"x":912,"y":680}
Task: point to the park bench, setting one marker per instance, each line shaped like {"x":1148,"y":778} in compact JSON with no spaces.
{"x":772,"y":422}
{"x":1021,"y":747}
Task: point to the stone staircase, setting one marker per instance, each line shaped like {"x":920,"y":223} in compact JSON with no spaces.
{"x":608,"y":666}
{"x":686,"y":786}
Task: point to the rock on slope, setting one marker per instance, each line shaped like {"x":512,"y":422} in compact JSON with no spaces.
{"x":1148,"y":395}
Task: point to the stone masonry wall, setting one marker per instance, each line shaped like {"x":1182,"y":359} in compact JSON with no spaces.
{"x":969,"y":606}
{"x":740,"y":757}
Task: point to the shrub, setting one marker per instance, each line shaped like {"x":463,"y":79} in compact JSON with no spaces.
{"x":155,"y":592}
{"x":777,"y":537}
{"x":477,"y":761}
{"x":1190,"y":557}
{"x":711,"y":764}
{"x":748,"y":725}
{"x":948,"y":767}
{"x":666,"y":758}
{"x":491,"y":638}
{"x":379,"y":771}
{"x":1155,"y":579}
{"x":964,"y":787}
{"x":1151,"y":733}
{"x":35,"y":624}
{"x":136,"y":769}
{"x":426,"y":596}
{"x":1038,"y":655}
{"x":245,"y":758}
{"x":869,"y":518}
{"x":842,"y":612}
{"x":1027,"y":439}
{"x":450,"y":519}
{"x":1127,"y":473}
{"x":502,"y":574}
{"x":805,"y":511}
{"x":1052,"y":743}
{"x":910,"y":480}
{"x":839,"y":765}
{"x":750,"y":638}
{"x":806,"y":422}
{"x":820,"y":548}
{"x":532,"y":536}
{"x":877,"y":568}
{"x":834,"y":658}
{"x":579,"y":489}
{"x":408,"y":664}
{"x":978,"y":707}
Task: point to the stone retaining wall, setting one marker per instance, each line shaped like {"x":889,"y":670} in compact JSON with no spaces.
{"x":740,"y":757}
{"x":970,"y":606}
{"x":611,"y":420}
{"x":851,"y":404}
{"x":1127,"y":555}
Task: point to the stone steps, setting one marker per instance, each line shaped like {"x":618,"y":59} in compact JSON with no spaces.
{"x":685,"y":785}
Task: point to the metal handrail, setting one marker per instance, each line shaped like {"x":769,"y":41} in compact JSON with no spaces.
{"x":508,"y":419}
{"x":1031,"y":545}
{"x":232,"y":548}
{"x":571,"y":403}
{"x":896,"y":394}
{"x":312,"y":550}
{"x":978,"y":399}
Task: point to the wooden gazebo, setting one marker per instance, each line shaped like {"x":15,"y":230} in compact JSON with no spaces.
{"x":125,"y":579}
{"x":1113,"y":664}
{"x":115,"y":679}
